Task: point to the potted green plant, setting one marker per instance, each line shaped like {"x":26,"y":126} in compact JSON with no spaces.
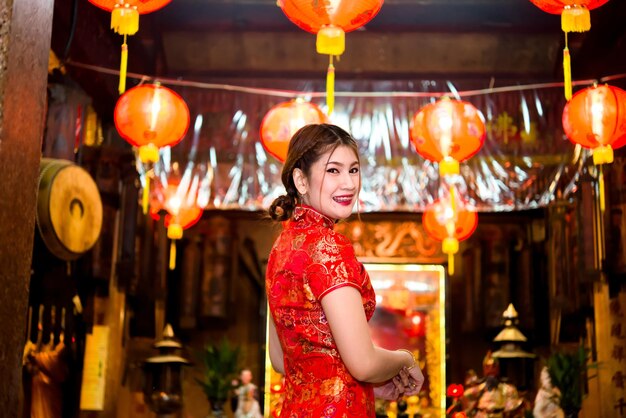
{"x":220,"y":368}
{"x":567,"y":372}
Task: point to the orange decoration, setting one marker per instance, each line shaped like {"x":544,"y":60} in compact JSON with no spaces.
{"x":574,"y":13}
{"x":151,"y":116}
{"x":182,"y":213}
{"x":574,"y":18}
{"x":595,"y":118}
{"x":448,"y":131}
{"x":450,"y":221}
{"x":330,"y":21}
{"x":283,"y":120}
{"x":187,"y":217}
{"x":312,"y":15}
{"x":125,"y":21}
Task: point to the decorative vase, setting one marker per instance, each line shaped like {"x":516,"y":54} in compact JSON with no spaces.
{"x":217,"y":409}
{"x":571,"y":413}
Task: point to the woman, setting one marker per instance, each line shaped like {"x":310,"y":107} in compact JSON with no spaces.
{"x":319,"y":294}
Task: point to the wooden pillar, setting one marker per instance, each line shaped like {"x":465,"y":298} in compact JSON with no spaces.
{"x":25,"y":29}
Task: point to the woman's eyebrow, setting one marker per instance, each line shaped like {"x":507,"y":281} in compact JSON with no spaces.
{"x":341,"y":164}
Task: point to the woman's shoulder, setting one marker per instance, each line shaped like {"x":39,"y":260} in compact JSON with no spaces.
{"x":328,"y":245}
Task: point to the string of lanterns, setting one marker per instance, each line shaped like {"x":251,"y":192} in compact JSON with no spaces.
{"x":447,"y":131}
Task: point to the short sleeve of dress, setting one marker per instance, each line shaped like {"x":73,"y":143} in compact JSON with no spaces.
{"x":333,"y":265}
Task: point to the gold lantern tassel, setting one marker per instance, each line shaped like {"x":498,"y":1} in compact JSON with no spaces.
{"x":174,"y":232}
{"x":148,"y":154}
{"x":330,"y":87}
{"x":601,"y":188}
{"x":172,"y":254}
{"x":450,"y":246}
{"x":145,"y":195}
{"x":125,"y":21}
{"x":567,"y":72}
{"x":575,"y":19}
{"x":121,"y":88}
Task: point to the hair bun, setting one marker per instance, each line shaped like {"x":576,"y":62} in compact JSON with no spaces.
{"x":282,"y":208}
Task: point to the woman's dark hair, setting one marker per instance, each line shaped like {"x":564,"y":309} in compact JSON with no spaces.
{"x":305,"y":148}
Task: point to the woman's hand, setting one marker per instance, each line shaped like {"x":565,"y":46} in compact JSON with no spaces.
{"x":415,"y":380}
{"x":390,"y":390}
{"x":405,"y":383}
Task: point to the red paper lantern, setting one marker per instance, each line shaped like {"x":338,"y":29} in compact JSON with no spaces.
{"x":182,"y":213}
{"x":125,"y":21}
{"x":283,"y":120}
{"x":595,"y":118}
{"x":449,"y":220}
{"x":448,"y":131}
{"x":151,"y":116}
{"x":330,"y":21}
{"x":574,"y":18}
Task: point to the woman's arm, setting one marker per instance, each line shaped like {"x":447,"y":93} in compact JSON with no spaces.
{"x":276,"y":351}
{"x":366,"y":362}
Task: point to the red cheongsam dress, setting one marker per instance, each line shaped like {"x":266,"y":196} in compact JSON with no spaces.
{"x":307,"y":261}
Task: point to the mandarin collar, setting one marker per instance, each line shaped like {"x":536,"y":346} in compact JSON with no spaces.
{"x":307,"y":216}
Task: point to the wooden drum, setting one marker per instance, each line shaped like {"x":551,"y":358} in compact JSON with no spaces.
{"x":69,"y":209}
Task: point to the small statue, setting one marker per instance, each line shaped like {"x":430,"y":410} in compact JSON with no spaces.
{"x":247,"y":405}
{"x":547,"y":399}
{"x":491,"y":398}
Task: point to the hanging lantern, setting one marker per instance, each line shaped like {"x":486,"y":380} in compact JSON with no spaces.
{"x":283,"y":120}
{"x":125,"y":21}
{"x":182,"y":213}
{"x":574,"y":18}
{"x":150,"y":117}
{"x":595,"y":118}
{"x":449,"y":220}
{"x":448,"y":131}
{"x":330,"y":21}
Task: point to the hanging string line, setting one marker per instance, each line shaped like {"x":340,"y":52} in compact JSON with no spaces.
{"x":296,"y":94}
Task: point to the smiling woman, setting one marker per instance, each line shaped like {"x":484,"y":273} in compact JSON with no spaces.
{"x":320,"y":296}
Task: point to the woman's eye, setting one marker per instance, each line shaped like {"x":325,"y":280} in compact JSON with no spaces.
{"x":354,"y":170}
{"x":332,"y":170}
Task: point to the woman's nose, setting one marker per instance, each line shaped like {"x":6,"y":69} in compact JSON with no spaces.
{"x":350,"y":181}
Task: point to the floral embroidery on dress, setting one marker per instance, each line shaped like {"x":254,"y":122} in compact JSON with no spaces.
{"x":307,"y":261}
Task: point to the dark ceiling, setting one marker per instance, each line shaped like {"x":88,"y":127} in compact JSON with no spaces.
{"x":505,"y":40}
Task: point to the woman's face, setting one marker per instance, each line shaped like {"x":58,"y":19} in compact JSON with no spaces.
{"x":334,"y":182}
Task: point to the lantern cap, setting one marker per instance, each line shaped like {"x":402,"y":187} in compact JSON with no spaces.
{"x":450,"y":245}
{"x":167,"y":347}
{"x":174,"y":231}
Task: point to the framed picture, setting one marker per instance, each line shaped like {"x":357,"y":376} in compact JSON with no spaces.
{"x":410,"y":314}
